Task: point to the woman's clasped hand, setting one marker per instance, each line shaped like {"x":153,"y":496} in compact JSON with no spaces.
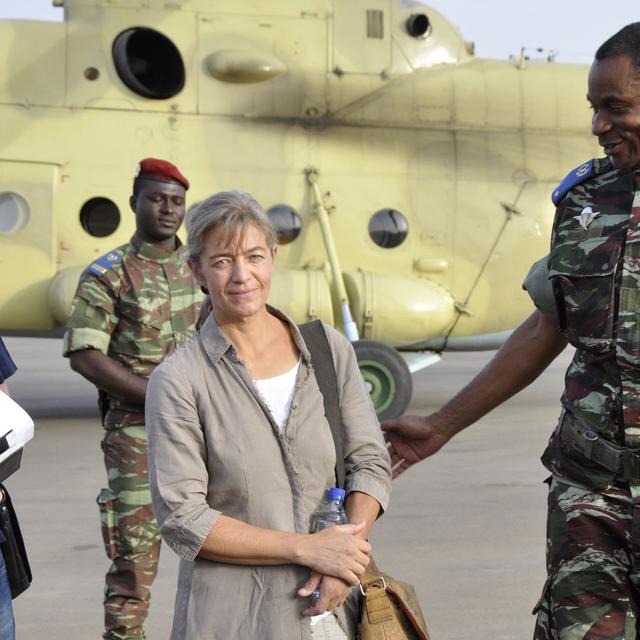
{"x":338,"y":559}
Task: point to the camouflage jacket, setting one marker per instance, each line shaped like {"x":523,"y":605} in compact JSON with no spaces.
{"x":594,"y":269}
{"x":136,"y":304}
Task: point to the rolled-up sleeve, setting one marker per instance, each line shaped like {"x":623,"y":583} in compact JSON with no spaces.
{"x":178,"y":475}
{"x":540,"y":289}
{"x":92,"y":318}
{"x":367,"y":462}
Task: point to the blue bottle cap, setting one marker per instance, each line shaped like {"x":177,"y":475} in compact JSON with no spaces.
{"x":335,"y":494}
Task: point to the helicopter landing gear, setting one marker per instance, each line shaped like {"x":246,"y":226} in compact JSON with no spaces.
{"x":386,"y":376}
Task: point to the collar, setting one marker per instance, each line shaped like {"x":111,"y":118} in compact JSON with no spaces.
{"x":153,"y":252}
{"x":216,"y":343}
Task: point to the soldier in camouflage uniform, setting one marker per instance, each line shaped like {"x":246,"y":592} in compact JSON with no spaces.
{"x":132,"y":308}
{"x":587,"y":292}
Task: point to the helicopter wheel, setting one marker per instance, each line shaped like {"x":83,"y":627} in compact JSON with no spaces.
{"x":386,"y":376}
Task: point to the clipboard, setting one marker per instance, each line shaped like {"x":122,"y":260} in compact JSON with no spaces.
{"x":16,"y":429}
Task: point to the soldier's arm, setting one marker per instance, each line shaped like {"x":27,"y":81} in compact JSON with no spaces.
{"x":523,"y":357}
{"x":92,"y":321}
{"x":108,"y":375}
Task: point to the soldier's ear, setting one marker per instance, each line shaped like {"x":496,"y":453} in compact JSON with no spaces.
{"x":132,"y":203}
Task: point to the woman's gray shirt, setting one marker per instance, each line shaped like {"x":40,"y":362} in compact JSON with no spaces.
{"x":214,"y":449}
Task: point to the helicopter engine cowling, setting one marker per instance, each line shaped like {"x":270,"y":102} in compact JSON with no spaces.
{"x":303,"y":294}
{"x":398,"y":310}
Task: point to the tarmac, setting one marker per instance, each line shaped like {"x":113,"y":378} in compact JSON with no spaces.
{"x":466,"y":527}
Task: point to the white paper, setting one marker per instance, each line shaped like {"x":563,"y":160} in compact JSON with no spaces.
{"x":15,"y":423}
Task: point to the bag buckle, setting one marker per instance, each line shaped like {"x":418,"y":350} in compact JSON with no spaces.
{"x":590,"y":437}
{"x":381,"y":578}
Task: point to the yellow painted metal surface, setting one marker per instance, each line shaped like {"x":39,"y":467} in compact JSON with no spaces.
{"x":467,"y":150}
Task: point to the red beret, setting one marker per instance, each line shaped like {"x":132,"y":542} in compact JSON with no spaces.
{"x":156,"y":169}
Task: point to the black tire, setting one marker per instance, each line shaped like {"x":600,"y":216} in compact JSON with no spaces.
{"x":387,"y":377}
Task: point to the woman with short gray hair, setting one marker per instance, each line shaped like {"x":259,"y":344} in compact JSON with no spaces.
{"x":240,"y":451}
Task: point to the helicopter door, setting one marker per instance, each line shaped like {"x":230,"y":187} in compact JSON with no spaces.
{"x":27,"y":243}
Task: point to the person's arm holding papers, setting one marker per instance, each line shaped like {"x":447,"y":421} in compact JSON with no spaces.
{"x":16,"y":425}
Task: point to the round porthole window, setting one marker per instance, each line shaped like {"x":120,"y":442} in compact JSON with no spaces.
{"x":286,"y":221}
{"x":388,"y":228}
{"x":99,"y":217}
{"x":418,"y":25}
{"x":14,"y":212}
{"x":148,"y":63}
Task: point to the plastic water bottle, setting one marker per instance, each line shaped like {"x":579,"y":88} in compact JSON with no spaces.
{"x":330,"y":513}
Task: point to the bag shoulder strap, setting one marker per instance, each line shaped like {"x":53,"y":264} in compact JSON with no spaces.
{"x":315,"y":337}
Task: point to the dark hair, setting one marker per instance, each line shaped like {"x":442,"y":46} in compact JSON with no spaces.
{"x":138,"y":183}
{"x":624,"y":43}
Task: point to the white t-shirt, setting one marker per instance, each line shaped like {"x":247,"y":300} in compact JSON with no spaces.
{"x":278,"y":394}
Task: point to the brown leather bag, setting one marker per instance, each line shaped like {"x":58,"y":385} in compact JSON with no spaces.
{"x":390,"y":610}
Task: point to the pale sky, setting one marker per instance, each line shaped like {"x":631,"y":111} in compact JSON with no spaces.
{"x":573,"y":28}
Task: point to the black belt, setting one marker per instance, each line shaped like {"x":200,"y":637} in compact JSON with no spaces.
{"x":622,"y":461}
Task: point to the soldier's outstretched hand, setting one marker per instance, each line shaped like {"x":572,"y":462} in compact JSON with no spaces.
{"x":411,"y":439}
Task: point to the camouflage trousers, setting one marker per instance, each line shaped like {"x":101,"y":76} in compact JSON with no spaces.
{"x":130,"y":533}
{"x":593,"y":564}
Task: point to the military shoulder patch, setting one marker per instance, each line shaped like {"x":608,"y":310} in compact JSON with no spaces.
{"x":574,"y":178}
{"x":105,"y":262}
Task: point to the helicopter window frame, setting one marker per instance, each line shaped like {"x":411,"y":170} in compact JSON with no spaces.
{"x":15,"y":205}
{"x":100,"y":217}
{"x":149,"y":63}
{"x":385,"y":235}
{"x":277,"y":216}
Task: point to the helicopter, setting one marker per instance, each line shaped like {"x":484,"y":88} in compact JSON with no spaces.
{"x":408,"y":180}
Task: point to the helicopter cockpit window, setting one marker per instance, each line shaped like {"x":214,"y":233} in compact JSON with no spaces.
{"x":148,"y":63}
{"x":286,"y":221}
{"x":388,"y":228}
{"x":99,"y":217}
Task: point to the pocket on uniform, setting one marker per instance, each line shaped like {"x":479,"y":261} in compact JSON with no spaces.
{"x":583,"y":277}
{"x":140,"y":331}
{"x":136,"y":314}
{"x":575,"y":602}
{"x":628,"y":338}
{"x":108,"y":522}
